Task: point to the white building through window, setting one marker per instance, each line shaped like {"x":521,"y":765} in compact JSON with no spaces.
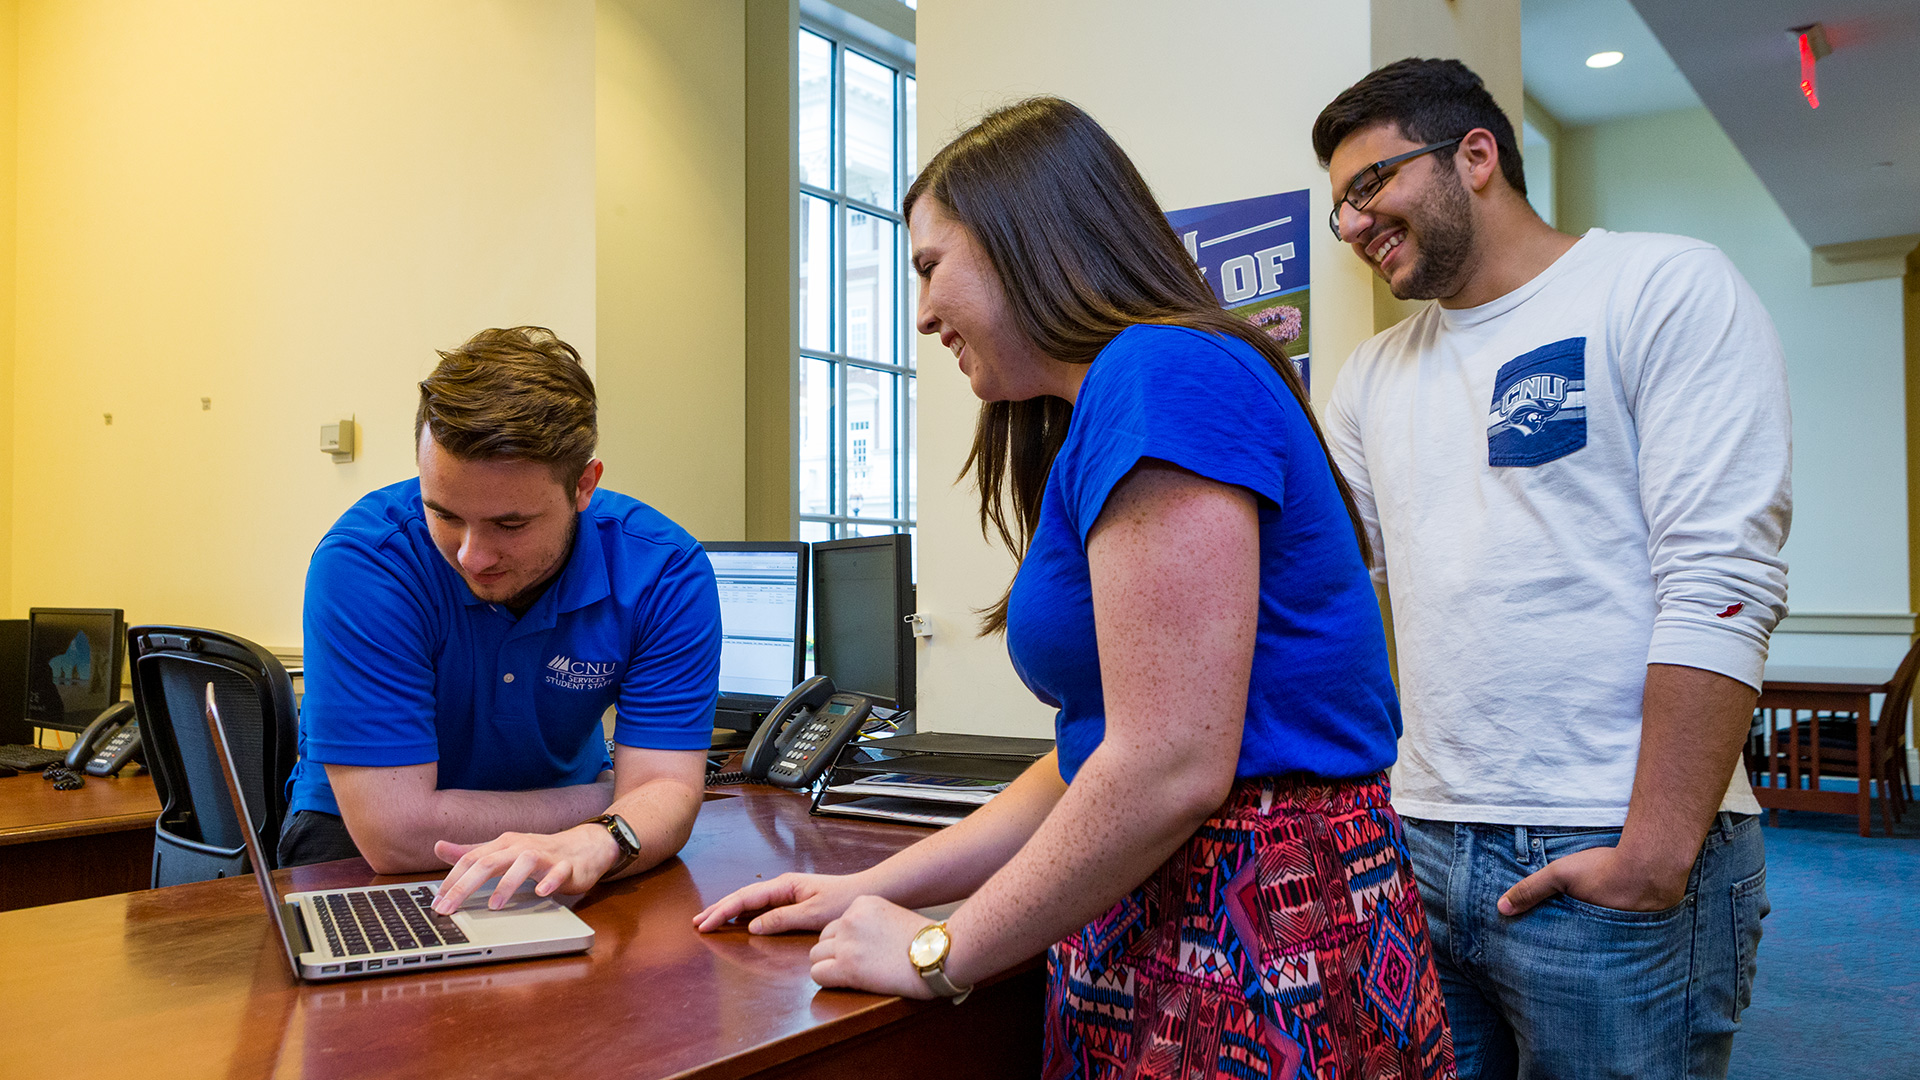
{"x":857,"y":387}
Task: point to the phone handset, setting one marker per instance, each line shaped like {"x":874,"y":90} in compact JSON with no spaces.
{"x":109,"y":743}
{"x":804,"y":733}
{"x":773,"y":735}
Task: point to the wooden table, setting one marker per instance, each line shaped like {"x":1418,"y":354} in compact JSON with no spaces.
{"x":1827,"y":689}
{"x":196,"y":987}
{"x":57,"y":846}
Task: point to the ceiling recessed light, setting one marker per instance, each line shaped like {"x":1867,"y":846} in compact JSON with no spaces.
{"x":1605,"y":59}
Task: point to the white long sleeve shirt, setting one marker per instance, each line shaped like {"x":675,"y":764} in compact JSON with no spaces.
{"x":1585,"y":476}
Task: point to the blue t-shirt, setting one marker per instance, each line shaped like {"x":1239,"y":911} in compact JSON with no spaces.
{"x":1320,"y":700}
{"x":404,"y":665}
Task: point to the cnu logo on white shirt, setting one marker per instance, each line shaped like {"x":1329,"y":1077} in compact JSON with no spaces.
{"x":569,"y":674}
{"x":1539,"y":407}
{"x":1530,"y":403}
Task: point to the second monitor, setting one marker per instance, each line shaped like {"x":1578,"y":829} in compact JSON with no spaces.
{"x":862,"y":595}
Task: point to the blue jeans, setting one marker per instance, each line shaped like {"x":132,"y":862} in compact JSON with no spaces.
{"x":1570,"y":990}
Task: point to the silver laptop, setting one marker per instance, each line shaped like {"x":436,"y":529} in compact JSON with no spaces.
{"x":387,"y":929}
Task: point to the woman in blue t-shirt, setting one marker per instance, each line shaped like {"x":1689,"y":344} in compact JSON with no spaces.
{"x":1209,"y":851}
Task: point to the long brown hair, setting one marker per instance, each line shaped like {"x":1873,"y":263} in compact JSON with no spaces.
{"x":1083,"y":251}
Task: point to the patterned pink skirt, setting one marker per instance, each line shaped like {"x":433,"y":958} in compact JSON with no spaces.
{"x":1286,"y":939}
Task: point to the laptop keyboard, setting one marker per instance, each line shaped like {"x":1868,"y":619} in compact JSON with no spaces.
{"x":384,"y":920}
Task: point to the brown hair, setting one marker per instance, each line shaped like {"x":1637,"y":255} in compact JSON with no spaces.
{"x":1083,"y":251}
{"x":1426,"y":101}
{"x":520,"y":394}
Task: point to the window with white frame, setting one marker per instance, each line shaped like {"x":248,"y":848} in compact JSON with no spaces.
{"x":857,"y":388}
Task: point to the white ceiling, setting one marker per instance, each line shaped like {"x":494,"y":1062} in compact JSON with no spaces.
{"x":1557,"y":36}
{"x":1847,"y":171}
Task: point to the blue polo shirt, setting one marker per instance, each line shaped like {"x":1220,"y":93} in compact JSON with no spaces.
{"x":405,"y":666}
{"x":1320,"y":701}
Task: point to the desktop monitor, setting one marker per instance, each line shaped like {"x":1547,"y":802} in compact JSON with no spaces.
{"x":763,"y":626}
{"x":74,"y":656}
{"x":14,"y":728}
{"x":862,"y":595}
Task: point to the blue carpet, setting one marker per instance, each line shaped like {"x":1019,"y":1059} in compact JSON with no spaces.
{"x":1838,"y":990}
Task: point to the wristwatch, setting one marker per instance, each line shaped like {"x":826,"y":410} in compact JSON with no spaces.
{"x":928,"y":953}
{"x":623,"y":835}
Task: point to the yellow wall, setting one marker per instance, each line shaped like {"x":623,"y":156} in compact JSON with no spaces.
{"x":283,"y":209}
{"x":9,"y":81}
{"x":772,"y":266}
{"x":671,"y":124}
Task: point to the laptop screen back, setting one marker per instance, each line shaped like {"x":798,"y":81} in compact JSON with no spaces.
{"x":217,"y":732}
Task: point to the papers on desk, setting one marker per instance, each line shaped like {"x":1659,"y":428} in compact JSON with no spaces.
{"x":926,"y":778}
{"x":943,"y":789}
{"x":911,"y":811}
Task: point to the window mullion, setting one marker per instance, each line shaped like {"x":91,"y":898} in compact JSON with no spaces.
{"x":843,"y":501}
{"x":901,"y":242}
{"x":864,"y":207}
{"x":902,"y":326}
{"x":829,"y":519}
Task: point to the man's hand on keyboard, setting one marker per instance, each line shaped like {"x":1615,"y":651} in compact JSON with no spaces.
{"x":564,"y":862}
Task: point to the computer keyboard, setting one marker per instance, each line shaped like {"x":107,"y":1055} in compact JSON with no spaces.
{"x":29,"y":758}
{"x":384,"y":920}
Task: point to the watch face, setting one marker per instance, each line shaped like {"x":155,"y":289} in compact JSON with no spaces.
{"x":929,"y":947}
{"x":623,"y":833}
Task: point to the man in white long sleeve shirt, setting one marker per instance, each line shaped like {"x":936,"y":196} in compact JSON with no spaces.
{"x":1575,"y":468}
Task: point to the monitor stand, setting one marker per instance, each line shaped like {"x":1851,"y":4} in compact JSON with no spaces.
{"x":729,"y":739}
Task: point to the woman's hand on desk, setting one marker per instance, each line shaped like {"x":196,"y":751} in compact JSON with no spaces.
{"x":866,"y":949}
{"x":798,"y":902}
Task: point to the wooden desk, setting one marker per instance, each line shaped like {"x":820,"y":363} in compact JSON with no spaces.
{"x":192,"y":978}
{"x":57,"y":846}
{"x":1832,"y":689}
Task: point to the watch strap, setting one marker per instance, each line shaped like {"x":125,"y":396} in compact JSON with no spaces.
{"x":935,"y":974}
{"x":936,"y":977}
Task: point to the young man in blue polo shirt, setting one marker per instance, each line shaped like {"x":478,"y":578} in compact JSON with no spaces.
{"x":465,"y":632}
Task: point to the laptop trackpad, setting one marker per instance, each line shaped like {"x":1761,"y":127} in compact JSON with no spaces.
{"x":523,"y":899}
{"x":526,"y":916}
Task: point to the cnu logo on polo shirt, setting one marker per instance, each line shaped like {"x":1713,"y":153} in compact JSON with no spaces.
{"x":1539,"y":408}
{"x":569,"y":674}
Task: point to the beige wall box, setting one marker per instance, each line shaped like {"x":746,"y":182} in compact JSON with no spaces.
{"x":337,"y":439}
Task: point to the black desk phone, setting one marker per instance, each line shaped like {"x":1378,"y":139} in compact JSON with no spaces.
{"x":109,"y":743}
{"x":804,"y":733}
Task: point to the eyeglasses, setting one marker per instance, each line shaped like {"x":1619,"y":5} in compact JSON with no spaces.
{"x":1371,"y":179}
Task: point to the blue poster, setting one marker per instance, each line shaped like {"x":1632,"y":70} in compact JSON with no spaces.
{"x":1254,"y":254}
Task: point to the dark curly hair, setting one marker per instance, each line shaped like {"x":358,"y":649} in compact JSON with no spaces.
{"x":1428,"y":101}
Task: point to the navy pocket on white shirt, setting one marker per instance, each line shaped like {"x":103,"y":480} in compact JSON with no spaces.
{"x":1539,"y":408}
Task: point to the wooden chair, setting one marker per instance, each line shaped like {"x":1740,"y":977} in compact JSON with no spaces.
{"x":1811,"y":745}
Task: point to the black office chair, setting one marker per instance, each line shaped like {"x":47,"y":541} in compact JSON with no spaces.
{"x":197,"y":837}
